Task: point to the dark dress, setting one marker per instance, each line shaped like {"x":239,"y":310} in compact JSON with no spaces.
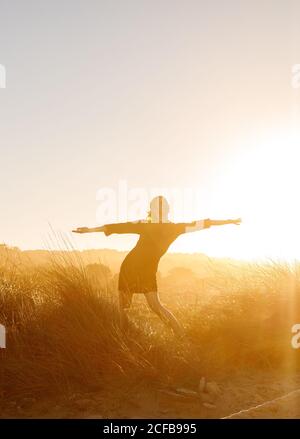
{"x":138,"y":270}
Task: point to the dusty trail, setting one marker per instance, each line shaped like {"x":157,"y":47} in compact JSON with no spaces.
{"x":256,"y":395}
{"x":286,"y":406}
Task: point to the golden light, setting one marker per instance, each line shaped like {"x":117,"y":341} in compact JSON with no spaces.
{"x":259,"y":182}
{"x":262,"y":184}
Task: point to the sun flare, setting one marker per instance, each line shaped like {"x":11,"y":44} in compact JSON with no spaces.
{"x":259,"y":182}
{"x":261,"y":185}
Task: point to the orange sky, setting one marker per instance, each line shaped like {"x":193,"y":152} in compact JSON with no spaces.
{"x":175,"y":95}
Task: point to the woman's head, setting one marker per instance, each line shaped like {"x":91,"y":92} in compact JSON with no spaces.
{"x":159,"y":210}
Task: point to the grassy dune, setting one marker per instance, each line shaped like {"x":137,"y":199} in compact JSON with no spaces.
{"x":63,"y":331}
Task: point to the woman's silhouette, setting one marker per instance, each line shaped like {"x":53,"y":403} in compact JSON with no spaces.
{"x":138,"y":270}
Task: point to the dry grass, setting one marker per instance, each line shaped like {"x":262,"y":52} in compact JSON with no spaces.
{"x":64,"y":334}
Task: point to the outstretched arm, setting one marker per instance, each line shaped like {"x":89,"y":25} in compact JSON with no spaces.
{"x":236,"y":221}
{"x":89,"y":230}
{"x":108,"y":229}
{"x":206,"y":223}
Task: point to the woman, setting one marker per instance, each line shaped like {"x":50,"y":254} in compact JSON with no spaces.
{"x":138,"y":270}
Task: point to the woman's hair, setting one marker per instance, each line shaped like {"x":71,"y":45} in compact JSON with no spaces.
{"x":159,"y":210}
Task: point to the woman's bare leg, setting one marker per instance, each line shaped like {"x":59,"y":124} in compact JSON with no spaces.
{"x":164,"y":314}
{"x":124,"y":304}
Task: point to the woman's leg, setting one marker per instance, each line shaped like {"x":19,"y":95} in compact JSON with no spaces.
{"x":165,"y":315}
{"x":124,"y":304}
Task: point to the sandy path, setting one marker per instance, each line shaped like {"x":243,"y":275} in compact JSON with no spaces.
{"x":249,"y":395}
{"x":286,"y":406}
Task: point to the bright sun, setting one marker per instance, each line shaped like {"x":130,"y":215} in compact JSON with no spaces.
{"x":261,"y":184}
{"x":266,"y":181}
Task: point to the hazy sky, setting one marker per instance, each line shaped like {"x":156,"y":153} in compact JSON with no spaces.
{"x":160,"y":93}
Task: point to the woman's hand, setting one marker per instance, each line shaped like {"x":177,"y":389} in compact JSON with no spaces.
{"x":237,"y":221}
{"x":81,"y":230}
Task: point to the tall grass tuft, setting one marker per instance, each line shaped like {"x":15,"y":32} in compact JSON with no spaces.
{"x":63,"y":334}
